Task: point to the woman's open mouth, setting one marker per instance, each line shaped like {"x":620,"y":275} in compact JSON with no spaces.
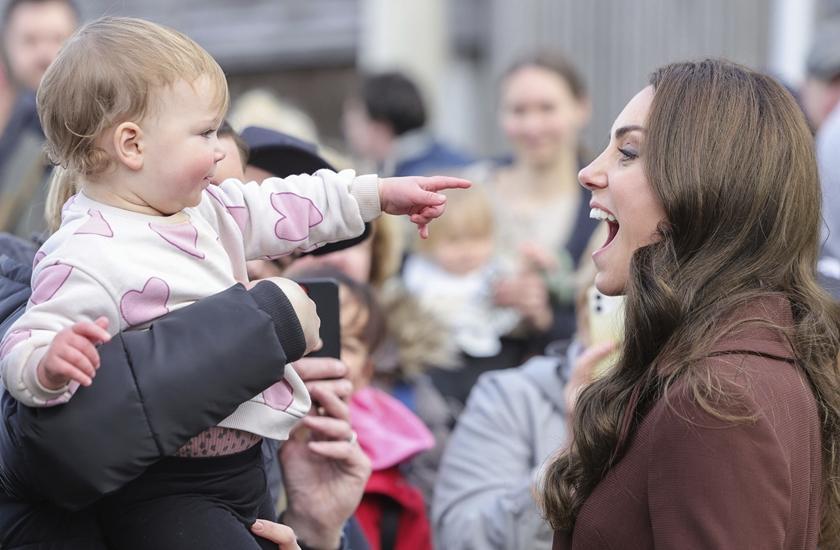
{"x":602,"y":215}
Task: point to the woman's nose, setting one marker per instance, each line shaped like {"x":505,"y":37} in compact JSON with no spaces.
{"x":593,"y":176}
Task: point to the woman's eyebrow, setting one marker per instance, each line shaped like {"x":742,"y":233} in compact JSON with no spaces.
{"x":620,"y":132}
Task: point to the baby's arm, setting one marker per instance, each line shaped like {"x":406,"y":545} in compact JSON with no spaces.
{"x":304,"y":212}
{"x":300,"y":212}
{"x":51,"y":346}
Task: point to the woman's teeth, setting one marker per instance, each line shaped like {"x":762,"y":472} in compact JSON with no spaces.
{"x":598,"y":214}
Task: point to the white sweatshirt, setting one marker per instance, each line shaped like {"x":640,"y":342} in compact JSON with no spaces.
{"x":133,"y":268}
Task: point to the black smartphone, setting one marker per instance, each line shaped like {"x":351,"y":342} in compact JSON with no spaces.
{"x":324,"y":292}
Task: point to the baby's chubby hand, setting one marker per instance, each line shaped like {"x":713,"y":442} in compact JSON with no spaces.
{"x":417,"y":197}
{"x":304,"y":309}
{"x":72,"y":355}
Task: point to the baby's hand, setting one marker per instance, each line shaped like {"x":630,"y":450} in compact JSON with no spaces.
{"x":304,"y":308}
{"x":417,"y":197}
{"x":72,"y":355}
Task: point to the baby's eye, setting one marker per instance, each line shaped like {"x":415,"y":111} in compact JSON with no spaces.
{"x":210,"y":132}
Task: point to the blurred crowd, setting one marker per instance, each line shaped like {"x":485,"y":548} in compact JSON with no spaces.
{"x":464,"y":348}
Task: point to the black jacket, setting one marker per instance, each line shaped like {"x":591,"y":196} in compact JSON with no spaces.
{"x":187,"y":379}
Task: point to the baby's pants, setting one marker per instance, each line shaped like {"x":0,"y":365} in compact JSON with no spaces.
{"x":206,"y":503}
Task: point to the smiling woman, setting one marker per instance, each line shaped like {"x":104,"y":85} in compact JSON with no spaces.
{"x":721,"y":417}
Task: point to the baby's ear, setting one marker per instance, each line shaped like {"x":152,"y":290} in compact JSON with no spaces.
{"x":128,"y":145}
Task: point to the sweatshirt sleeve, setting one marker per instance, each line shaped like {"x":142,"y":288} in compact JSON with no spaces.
{"x":62,"y":294}
{"x":297,"y":213}
{"x":708,"y":477}
{"x":484,"y":492}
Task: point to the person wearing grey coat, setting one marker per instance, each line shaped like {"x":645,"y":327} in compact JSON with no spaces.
{"x":514,"y":420}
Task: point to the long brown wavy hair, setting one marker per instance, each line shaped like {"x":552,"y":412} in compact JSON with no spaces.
{"x":730,"y":157}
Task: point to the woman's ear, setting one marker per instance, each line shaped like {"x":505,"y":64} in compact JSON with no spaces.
{"x":128,"y":145}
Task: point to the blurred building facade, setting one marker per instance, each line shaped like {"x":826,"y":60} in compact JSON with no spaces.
{"x":310,"y":51}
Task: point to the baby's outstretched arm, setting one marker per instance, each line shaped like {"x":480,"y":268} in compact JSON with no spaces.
{"x":72,"y":355}
{"x":417,"y":197}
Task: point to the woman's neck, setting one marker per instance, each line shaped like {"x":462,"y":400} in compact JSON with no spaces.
{"x":557,"y":177}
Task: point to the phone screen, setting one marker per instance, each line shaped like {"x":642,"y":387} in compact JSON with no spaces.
{"x":324,"y":292}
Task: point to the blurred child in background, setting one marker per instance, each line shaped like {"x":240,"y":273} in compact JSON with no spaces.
{"x":393,"y":511}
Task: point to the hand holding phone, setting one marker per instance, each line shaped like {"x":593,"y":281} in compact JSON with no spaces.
{"x":324,"y":292}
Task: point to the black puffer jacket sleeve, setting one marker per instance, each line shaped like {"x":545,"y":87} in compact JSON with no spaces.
{"x":156,"y":388}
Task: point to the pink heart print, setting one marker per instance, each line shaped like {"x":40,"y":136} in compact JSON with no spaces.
{"x":183,"y":236}
{"x":40,"y":255}
{"x":49,"y":281}
{"x":213,"y":191}
{"x":279,"y":396}
{"x":240,"y":216}
{"x":238,"y":213}
{"x":297,"y":216}
{"x":141,"y":306}
{"x":96,"y":225}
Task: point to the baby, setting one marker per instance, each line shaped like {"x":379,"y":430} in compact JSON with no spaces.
{"x":131,"y":109}
{"x":452,"y":275}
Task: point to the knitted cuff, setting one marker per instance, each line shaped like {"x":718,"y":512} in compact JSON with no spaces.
{"x":273,"y":301}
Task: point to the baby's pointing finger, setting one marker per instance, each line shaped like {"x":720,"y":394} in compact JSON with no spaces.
{"x":438,"y":183}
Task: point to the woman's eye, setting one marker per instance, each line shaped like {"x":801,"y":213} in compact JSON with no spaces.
{"x":627,"y":154}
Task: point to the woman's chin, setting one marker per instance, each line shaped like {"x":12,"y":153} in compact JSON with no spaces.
{"x":607,"y":284}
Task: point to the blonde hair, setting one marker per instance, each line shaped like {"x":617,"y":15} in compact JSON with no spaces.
{"x":108,"y":73}
{"x":63,"y":185}
{"x":468,"y":212}
{"x":263,"y":107}
{"x":387,"y":249}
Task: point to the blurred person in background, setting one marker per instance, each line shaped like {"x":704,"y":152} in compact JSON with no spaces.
{"x":264,"y":108}
{"x":821,"y":100}
{"x":415,"y":341}
{"x":393,"y":510}
{"x":452,"y":275}
{"x":33,"y":32}
{"x":514,"y":420}
{"x":541,"y":213}
{"x":820,"y":92}
{"x":385,"y":124}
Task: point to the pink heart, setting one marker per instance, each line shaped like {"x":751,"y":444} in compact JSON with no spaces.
{"x":96,"y":225}
{"x":240,"y":216}
{"x":49,"y":280}
{"x":40,"y":255}
{"x":140,"y":306}
{"x":279,"y":396}
{"x":183,"y":236}
{"x":214,"y":192}
{"x":12,"y":339}
{"x":297,"y":215}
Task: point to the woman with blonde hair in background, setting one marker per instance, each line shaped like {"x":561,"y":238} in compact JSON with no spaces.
{"x":719,"y":426}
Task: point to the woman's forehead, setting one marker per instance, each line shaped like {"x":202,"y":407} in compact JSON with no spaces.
{"x":636,"y":111}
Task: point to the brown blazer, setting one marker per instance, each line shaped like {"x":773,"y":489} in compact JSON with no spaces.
{"x":690,"y":480}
